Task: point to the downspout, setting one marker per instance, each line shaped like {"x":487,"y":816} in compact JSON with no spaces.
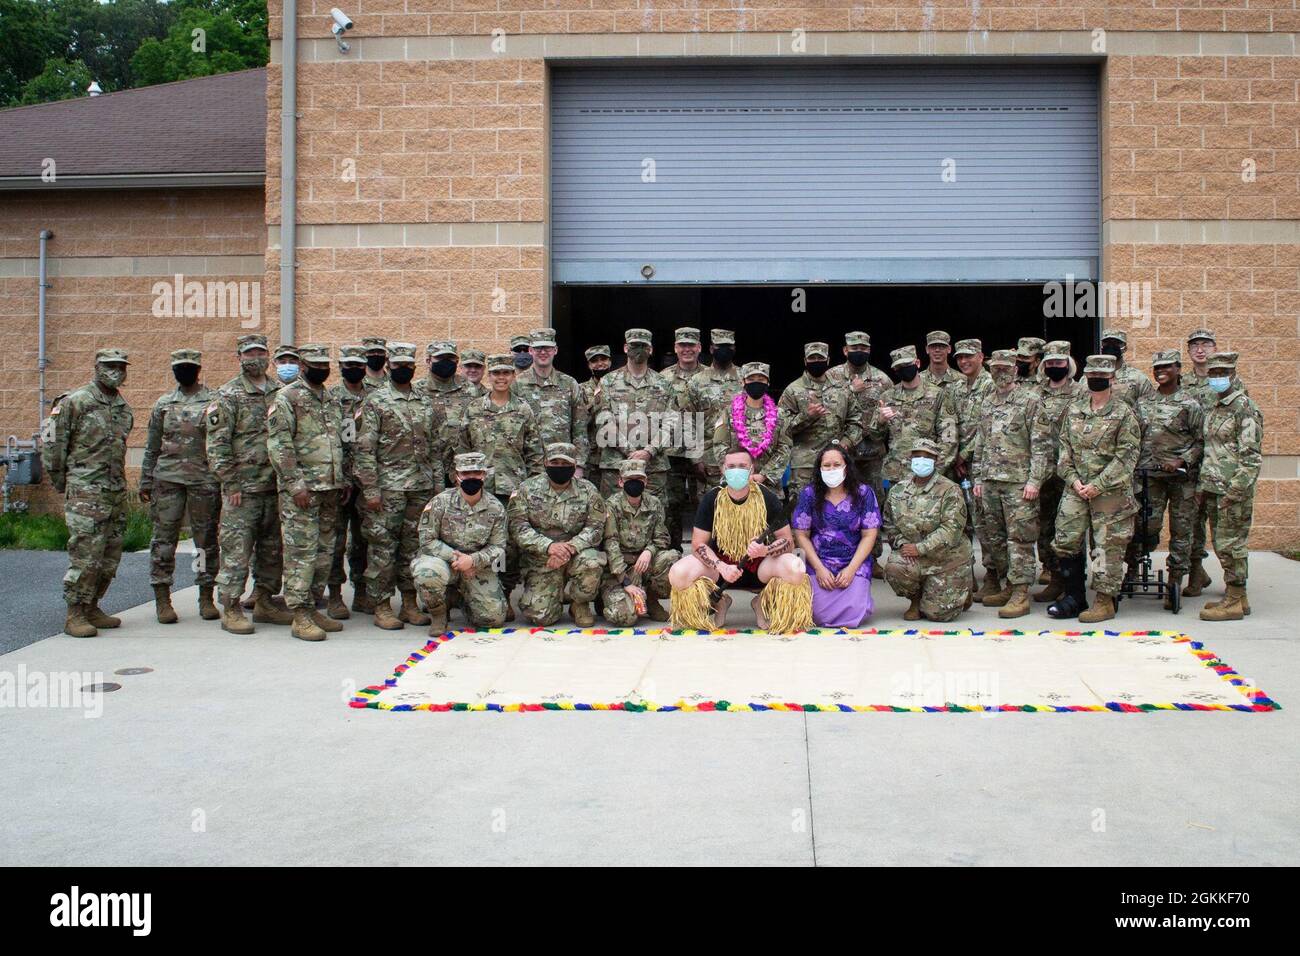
{"x":45,"y":237}
{"x":288,"y":168}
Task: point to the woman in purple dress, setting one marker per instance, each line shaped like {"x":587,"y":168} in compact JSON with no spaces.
{"x":835,"y":521}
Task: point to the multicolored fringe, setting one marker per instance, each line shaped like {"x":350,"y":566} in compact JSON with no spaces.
{"x":1259,"y":702}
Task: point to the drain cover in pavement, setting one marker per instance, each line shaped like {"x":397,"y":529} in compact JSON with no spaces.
{"x":132,"y":671}
{"x":101,"y":688}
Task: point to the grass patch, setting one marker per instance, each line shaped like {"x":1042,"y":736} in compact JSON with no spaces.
{"x":139,"y":531}
{"x":1291,"y":553}
{"x":28,"y":532}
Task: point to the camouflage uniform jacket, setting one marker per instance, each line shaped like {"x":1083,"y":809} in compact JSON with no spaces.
{"x":304,"y":439}
{"x":177,"y":447}
{"x":1172,"y":427}
{"x":449,"y":523}
{"x":237,"y":451}
{"x":708,"y":394}
{"x":451,"y":400}
{"x":878,"y":383}
{"x":1049,"y":406}
{"x":561,"y":412}
{"x":626,"y":408}
{"x":540,"y":516}
{"x":932,"y":516}
{"x":772,"y":463}
{"x":1003,"y":446}
{"x":969,"y":400}
{"x":1099,"y":448}
{"x":950,"y":379}
{"x":349,"y":400}
{"x":842,"y":419}
{"x":87,"y":446}
{"x":680,"y":381}
{"x":926,"y":411}
{"x":1234,"y":435}
{"x":507,"y":434}
{"x":1131,"y":385}
{"x":631,"y":529}
{"x":394,"y":448}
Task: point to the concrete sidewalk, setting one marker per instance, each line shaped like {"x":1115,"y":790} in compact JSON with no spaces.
{"x":242,"y":750}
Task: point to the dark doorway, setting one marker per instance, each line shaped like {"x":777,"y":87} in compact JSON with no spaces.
{"x":768,"y":330}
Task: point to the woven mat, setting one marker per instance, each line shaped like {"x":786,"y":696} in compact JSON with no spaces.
{"x":909,"y":671}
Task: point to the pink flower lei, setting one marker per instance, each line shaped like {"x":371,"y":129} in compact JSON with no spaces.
{"x":755,"y":449}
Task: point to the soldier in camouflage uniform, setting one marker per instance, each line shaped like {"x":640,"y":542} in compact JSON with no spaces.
{"x":521,"y":349}
{"x":463,"y":545}
{"x":1171,"y":421}
{"x":84,"y":451}
{"x":638,"y":549}
{"x":398,"y":469}
{"x":708,"y":397}
{"x":175,"y":482}
{"x":287,"y":363}
{"x":304,"y":440}
{"x":250,"y":513}
{"x":1029,"y":356}
{"x":554,"y":397}
{"x":1200,"y":346}
{"x":598,"y":363}
{"x":683,"y":475}
{"x":1050,"y":398}
{"x":968,"y":400}
{"x":349,"y":540}
{"x":938,"y":346}
{"x":451,"y":396}
{"x":1234,"y":435}
{"x":1129,"y":384}
{"x":1006,"y":494}
{"x":815,"y":411}
{"x":557,"y":521}
{"x":770,"y":453}
{"x":473,"y":364}
{"x":913,"y":408}
{"x":376,"y":349}
{"x":1100,"y":441}
{"x":631,"y":408}
{"x":504,"y":429}
{"x":925,"y":522}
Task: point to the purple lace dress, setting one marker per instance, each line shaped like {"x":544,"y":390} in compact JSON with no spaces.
{"x":836,"y":536}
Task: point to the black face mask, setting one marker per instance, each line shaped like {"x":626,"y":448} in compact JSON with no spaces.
{"x":402,"y":374}
{"x":599,"y":373}
{"x":352,"y":372}
{"x":633,"y":487}
{"x":1056,"y":372}
{"x":858,"y":359}
{"x":523,"y":360}
{"x":817,"y":369}
{"x":316,"y":375}
{"x":560,"y":474}
{"x":1022,"y":369}
{"x":756,"y":390}
{"x":443,"y":368}
{"x":186,"y":374}
{"x":471,"y":486}
{"x":638,"y":353}
{"x":723,"y":354}
{"x":376,"y":362}
{"x":1099,"y":384}
{"x":907,"y":372}
{"x":1112,"y":348}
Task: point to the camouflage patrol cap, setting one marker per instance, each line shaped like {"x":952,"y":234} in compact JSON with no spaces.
{"x":314,"y":352}
{"x":1117,"y":334}
{"x":1003,"y":357}
{"x":816,"y":348}
{"x":857,"y":338}
{"x":722,"y":337}
{"x":562,"y":450}
{"x":471,"y":461}
{"x":254,"y":341}
{"x":542,"y":338}
{"x":520,"y":342}
{"x":402,"y":352}
{"x":112,"y":355}
{"x":1167,"y":357}
{"x":375,"y":343}
{"x":1206,"y":335}
{"x":925,"y":446}
{"x":903,"y":356}
{"x":1030,"y":345}
{"x":441,"y":347}
{"x":503,"y":362}
{"x":937,"y":338}
{"x":187,"y":357}
{"x":282,"y":350}
{"x":352,"y":355}
{"x":596,"y":351}
{"x":1222,"y":360}
{"x":638,"y":335}
{"x":1056,"y":349}
{"x":968,"y":347}
{"x":631,"y":468}
{"x":755,"y":368}
{"x":1100,"y":364}
{"x":472,"y":357}
{"x":687,"y":334}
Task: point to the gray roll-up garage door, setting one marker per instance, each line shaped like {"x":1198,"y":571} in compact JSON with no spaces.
{"x":833,"y":173}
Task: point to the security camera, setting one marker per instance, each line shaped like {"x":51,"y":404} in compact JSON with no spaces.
{"x":342,"y":22}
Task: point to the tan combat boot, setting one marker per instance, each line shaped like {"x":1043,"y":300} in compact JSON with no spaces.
{"x":336,"y":608}
{"x":385,"y":618}
{"x":98,"y":618}
{"x":361,"y":602}
{"x":410,"y":610}
{"x":323,"y":622}
{"x":1017,"y":603}
{"x":1175,"y":581}
{"x":234,"y":621}
{"x":1055,"y":588}
{"x":1103,"y":609}
{"x":265,"y":611}
{"x":999,"y":597}
{"x":1231,"y":608}
{"x":582,"y":614}
{"x":1044,"y":577}
{"x":656,"y":611}
{"x":304,"y":628}
{"x":1197,"y":580}
{"x":1245,"y":603}
{"x":162,"y":603}
{"x":207,"y":609}
{"x":437,"y":619}
{"x":913,"y":613}
{"x":988,"y":586}
{"x":76,"y":624}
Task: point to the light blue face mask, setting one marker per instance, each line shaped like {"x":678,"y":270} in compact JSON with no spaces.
{"x":737,"y":478}
{"x":287,"y":373}
{"x":1220,"y":385}
{"x":923,"y":467}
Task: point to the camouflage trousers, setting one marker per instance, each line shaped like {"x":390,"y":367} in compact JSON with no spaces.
{"x":1010,"y":526}
{"x":1178,"y":494}
{"x":308,"y":544}
{"x":943,"y":587}
{"x":248,"y":528}
{"x":1110,"y":520}
{"x":683,"y":495}
{"x":392,"y":540}
{"x":168,"y":508}
{"x":349,"y":542}
{"x":1199,"y":537}
{"x":96,"y":523}
{"x":546,"y":590}
{"x":1229,"y":529}
{"x":510,"y":576}
{"x":481,"y":593}
{"x":1049,"y":502}
{"x":619,"y":609}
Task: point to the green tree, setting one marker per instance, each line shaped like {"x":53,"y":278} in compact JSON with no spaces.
{"x":209,"y":37}
{"x":60,"y":80}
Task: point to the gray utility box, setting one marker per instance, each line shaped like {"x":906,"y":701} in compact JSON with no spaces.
{"x":22,"y":461}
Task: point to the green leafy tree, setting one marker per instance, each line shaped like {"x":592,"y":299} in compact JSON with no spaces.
{"x":60,"y":80}
{"x":209,"y":37}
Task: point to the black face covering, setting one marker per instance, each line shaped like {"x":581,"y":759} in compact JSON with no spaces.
{"x":723,"y":354}
{"x":402,"y":374}
{"x":1099,"y":384}
{"x":817,"y":368}
{"x":907,"y":372}
{"x":316,"y":375}
{"x":1022,"y":369}
{"x":1056,"y":372}
{"x":1112,"y":348}
{"x":376,"y":362}
{"x":858,"y":359}
{"x":185,"y":373}
{"x":443,"y":368}
{"x":523,"y":360}
{"x":471,"y":486}
{"x":352,"y":372}
{"x":560,"y":474}
{"x":633,"y":487}
{"x":756,"y":390}
{"x":638,"y":353}
{"x":599,"y":373}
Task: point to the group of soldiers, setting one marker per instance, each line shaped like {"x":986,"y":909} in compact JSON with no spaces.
{"x":450,"y":487}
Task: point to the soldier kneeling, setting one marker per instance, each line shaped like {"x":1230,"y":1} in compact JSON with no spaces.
{"x":636,"y":547}
{"x":463,"y":544}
